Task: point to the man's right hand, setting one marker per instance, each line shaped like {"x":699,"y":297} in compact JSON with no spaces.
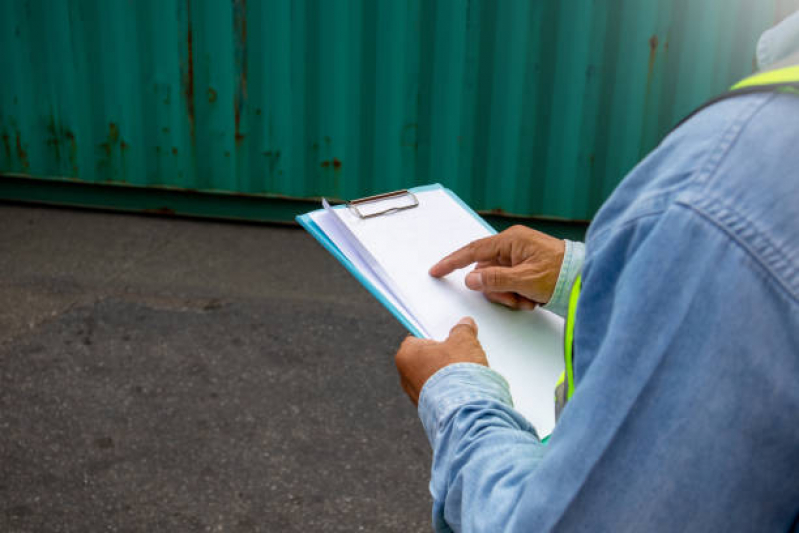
{"x":517,"y":268}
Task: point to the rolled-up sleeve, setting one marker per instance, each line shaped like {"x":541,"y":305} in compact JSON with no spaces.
{"x":479,"y":440}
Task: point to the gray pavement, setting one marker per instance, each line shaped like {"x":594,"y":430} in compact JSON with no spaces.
{"x":174,"y":375}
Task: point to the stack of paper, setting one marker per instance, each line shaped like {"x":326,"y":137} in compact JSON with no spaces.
{"x":391,"y":254}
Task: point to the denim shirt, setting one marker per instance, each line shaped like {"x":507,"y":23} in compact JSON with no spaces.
{"x":685,"y":415}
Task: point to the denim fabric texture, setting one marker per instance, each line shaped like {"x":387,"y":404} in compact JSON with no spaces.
{"x":686,"y":412}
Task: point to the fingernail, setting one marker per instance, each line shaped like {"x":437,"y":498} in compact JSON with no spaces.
{"x":468,"y":321}
{"x":526,"y":305}
{"x":474,"y":280}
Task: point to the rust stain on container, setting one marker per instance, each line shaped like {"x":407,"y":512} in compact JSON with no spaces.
{"x":211,"y":94}
{"x":73,"y":151}
{"x":238,"y":136}
{"x":174,"y":150}
{"x":21,"y":153}
{"x":52,"y":140}
{"x":188,"y":73}
{"x":335,"y":163}
{"x":112,"y":139}
{"x":240,"y":30}
{"x":60,"y":139}
{"x":653,"y":48}
{"x":123,"y":145}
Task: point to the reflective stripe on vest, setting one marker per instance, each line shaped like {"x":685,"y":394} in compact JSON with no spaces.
{"x":782,"y":80}
{"x":565,"y":387}
{"x":783,"y":76}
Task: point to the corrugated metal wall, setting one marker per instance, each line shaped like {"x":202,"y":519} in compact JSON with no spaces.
{"x":532,"y":107}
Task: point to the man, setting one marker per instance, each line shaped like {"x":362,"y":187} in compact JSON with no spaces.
{"x":685,"y":414}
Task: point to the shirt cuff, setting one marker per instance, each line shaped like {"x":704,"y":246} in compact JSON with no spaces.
{"x":572,"y":265}
{"x":454,"y":386}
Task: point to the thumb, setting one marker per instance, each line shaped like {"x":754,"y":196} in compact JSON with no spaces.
{"x":494,"y":279}
{"x":465,"y":326}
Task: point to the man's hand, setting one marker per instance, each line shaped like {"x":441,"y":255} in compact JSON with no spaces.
{"x":418,"y":359}
{"x":517,"y":268}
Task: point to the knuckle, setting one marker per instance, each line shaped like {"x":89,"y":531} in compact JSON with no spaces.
{"x":493,"y":277}
{"x":516,"y":231}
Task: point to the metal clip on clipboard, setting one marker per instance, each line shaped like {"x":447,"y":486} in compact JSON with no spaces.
{"x":352,"y":205}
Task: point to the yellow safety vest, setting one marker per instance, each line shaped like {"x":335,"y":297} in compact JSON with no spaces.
{"x":780,"y":80}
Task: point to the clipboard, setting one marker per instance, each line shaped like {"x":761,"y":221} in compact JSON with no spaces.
{"x":389,"y":241}
{"x":356,"y":206}
{"x":308,"y":223}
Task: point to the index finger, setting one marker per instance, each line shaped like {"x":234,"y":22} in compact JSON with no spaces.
{"x":479,"y":250}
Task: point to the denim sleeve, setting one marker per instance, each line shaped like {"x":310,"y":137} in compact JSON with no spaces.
{"x":684,"y":420}
{"x":572,"y":265}
{"x":470,"y":403}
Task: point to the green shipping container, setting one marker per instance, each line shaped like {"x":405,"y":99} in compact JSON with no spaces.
{"x":226,"y":108}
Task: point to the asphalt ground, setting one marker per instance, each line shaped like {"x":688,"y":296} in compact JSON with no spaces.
{"x":175,"y":375}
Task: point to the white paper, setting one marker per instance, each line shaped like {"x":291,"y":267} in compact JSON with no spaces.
{"x":337,"y":232}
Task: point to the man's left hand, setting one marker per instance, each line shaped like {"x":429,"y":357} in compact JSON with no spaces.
{"x":418,"y":359}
